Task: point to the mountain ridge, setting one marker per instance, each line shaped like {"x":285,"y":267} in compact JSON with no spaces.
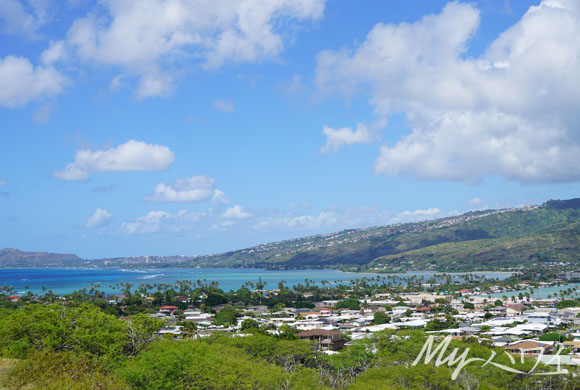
{"x":476,"y":240}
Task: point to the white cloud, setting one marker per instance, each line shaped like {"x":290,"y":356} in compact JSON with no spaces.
{"x":21,"y":82}
{"x":293,"y":220}
{"x":155,"y":84}
{"x":224,"y":105}
{"x":512,"y":111}
{"x":236,"y":212}
{"x":332,"y":219}
{"x":337,"y":138}
{"x":192,"y":189}
{"x":475,"y":202}
{"x":117,"y":83}
{"x":99,"y":218}
{"x":325,"y":219}
{"x":23,"y":17}
{"x":154,"y":39}
{"x":417,"y":215}
{"x":222,"y":226}
{"x":219,"y":198}
{"x":2,"y":182}
{"x":56,"y":52}
{"x":130,"y":156}
{"x":149,"y":223}
{"x":432,"y":211}
{"x":162,"y":221}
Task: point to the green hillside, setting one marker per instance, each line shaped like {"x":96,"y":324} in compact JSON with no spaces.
{"x":486,"y":240}
{"x":513,"y":239}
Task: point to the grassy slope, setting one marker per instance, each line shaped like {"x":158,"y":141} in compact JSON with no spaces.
{"x":486,"y":242}
{"x":5,"y":366}
{"x":514,"y":239}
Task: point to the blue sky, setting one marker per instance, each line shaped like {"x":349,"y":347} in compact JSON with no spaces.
{"x":195,"y":127}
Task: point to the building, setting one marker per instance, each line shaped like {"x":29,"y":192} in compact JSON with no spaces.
{"x":530,"y":347}
{"x":325,"y":339}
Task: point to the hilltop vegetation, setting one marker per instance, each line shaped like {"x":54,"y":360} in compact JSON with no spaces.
{"x":487,"y":240}
{"x":14,"y":258}
{"x":80,"y":347}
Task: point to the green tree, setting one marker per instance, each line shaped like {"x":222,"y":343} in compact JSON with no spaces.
{"x":227,"y":316}
{"x":552,"y":336}
{"x":250,"y":325}
{"x":381,"y":318}
{"x":349,"y":303}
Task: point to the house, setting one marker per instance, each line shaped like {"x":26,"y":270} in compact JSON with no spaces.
{"x":259,"y":309}
{"x":325,"y":339}
{"x":514,"y":309}
{"x":498,"y":311}
{"x":500,"y":341}
{"x":167,"y":309}
{"x":574,"y":346}
{"x":530,"y":347}
{"x":544,"y":318}
{"x":197,"y":316}
{"x":176,"y":331}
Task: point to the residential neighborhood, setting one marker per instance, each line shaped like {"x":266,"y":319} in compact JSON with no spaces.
{"x":531,"y":327}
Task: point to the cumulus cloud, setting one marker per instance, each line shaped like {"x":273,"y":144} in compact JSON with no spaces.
{"x":512,"y":111}
{"x":152,"y":39}
{"x":55,"y":52}
{"x":324,"y":219}
{"x":293,"y":220}
{"x":21,"y":82}
{"x":130,"y":156}
{"x":160,"y":221}
{"x":192,"y":189}
{"x":155,"y":84}
{"x":417,"y":215}
{"x":422,"y":212}
{"x":23,"y":18}
{"x":236,"y":212}
{"x":224,"y":105}
{"x":219,"y":198}
{"x":149,"y":223}
{"x":332,"y":219}
{"x":337,"y":138}
{"x":99,"y":218}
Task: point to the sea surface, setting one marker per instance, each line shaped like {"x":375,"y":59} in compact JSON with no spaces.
{"x":67,"y":280}
{"x":540,"y":293}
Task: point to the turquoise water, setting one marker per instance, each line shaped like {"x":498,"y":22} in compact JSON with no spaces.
{"x":538,"y":292}
{"x":65,"y":281}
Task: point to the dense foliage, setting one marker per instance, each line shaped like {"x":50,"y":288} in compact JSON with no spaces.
{"x":78,"y":346}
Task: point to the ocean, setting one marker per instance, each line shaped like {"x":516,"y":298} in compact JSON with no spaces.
{"x":67,"y":280}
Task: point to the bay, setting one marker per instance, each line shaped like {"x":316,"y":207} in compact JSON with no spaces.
{"x":539,"y":293}
{"x":67,"y":280}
